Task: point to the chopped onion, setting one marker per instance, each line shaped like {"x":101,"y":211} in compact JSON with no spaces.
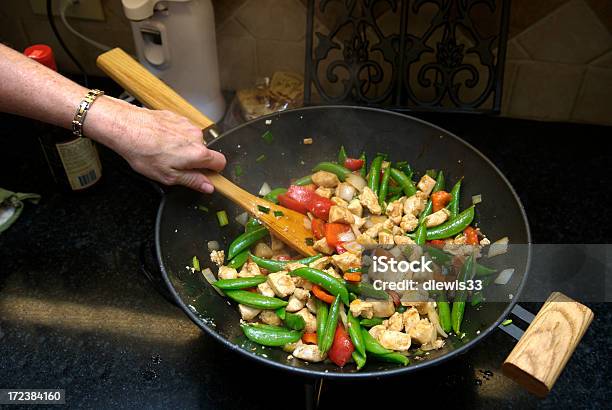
{"x":346,"y":236}
{"x":353,"y":247}
{"x":504,"y":277}
{"x":498,"y":247}
{"x":476,"y":199}
{"x":435,"y":319}
{"x":242,"y":219}
{"x":357,"y":181}
{"x":344,"y":319}
{"x":265,"y":189}
{"x":346,"y":191}
{"x":213,"y":246}
{"x":307,"y":224}
{"x":210,"y":278}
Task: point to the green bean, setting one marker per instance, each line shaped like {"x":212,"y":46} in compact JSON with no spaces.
{"x":372,"y":345}
{"x":392,"y":357}
{"x":322,"y":313}
{"x":294,"y":322}
{"x":306,"y":180}
{"x":340,"y":171}
{"x":275,"y":266}
{"x":366,"y":289}
{"x":439,"y":186}
{"x":237,"y":261}
{"x":477,"y":298}
{"x":453,"y":205}
{"x":420,"y":235}
{"x":330,"y":325}
{"x":324,"y":280}
{"x":461,"y":295}
{"x":374,"y":173}
{"x":354,"y":330}
{"x":364,"y":168}
{"x":444,"y":313}
{"x":255,"y":300}
{"x":342,"y":155}
{"x":269,"y":336}
{"x":245,"y":241}
{"x":375,"y":321}
{"x":403,"y":181}
{"x":452,"y":227}
{"x":272,"y":196}
{"x":240,"y":283}
{"x":394,"y":198}
{"x":360,"y":360}
{"x":384,"y":186}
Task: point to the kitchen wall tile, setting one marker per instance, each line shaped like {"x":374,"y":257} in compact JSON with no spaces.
{"x":593,"y":103}
{"x":571,"y":34}
{"x":524,"y":13}
{"x":237,"y":58}
{"x":273,"y":55}
{"x":603,"y":9}
{"x":225,"y":9}
{"x":545,"y":91}
{"x":605,"y":61}
{"x":274,"y":19}
{"x":515,"y":51}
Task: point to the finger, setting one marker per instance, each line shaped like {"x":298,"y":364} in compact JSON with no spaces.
{"x":206,"y":158}
{"x":195,"y":181}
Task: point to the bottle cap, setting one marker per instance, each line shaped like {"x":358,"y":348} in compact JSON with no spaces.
{"x":43,"y":54}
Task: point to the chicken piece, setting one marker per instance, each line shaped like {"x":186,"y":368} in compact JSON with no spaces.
{"x":409,"y":223}
{"x":324,"y":192}
{"x":332,"y":272}
{"x":281,"y":284}
{"x":312,"y":305}
{"x":395,"y":322}
{"x":373,"y":231}
{"x":225,"y":272}
{"x":426,"y":184}
{"x":291,"y":266}
{"x":276,"y":244}
{"x":247,"y":312}
{"x":346,"y":260}
{"x":339,"y":202}
{"x":320,"y":263}
{"x":382,"y":308}
{"x":218,"y":257}
{"x":355,"y":207}
{"x":270,"y":318}
{"x":385,"y":237}
{"x":310,"y":353}
{"x":437,"y":218}
{"x":376,"y":331}
{"x":396,"y":230}
{"x":265,"y":289}
{"x":361,"y":308}
{"x":410,"y":317}
{"x":393,"y":340}
{"x":485,"y":242}
{"x":294,"y":304}
{"x":394,"y":211}
{"x":310,"y":319}
{"x":423,"y":332}
{"x":359,"y":222}
{"x":322,"y":246}
{"x":416,"y":300}
{"x":366,"y":240}
{"x":415,"y":204}
{"x":388,"y":224}
{"x":402,"y":240}
{"x":436,"y":344}
{"x":369,"y":199}
{"x":301,"y":294}
{"x":326,"y":179}
{"x":249,"y":270}
{"x":340,"y":215}
{"x":301,"y":283}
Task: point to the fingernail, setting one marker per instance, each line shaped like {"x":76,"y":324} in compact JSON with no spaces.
{"x":207,"y":188}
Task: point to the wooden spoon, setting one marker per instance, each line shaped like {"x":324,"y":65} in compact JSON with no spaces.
{"x":155,"y":94}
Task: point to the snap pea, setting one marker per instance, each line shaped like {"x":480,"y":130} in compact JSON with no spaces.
{"x":461,"y":295}
{"x":294,"y":322}
{"x":375,"y":321}
{"x":394,"y":189}
{"x":245,"y":241}
{"x":364,"y":169}
{"x":420,"y":235}
{"x":340,"y":171}
{"x":452,"y":227}
{"x":322,"y":313}
{"x":342,"y":155}
{"x":325,"y":280}
{"x":360,"y":360}
{"x":281,"y":312}
{"x":477,"y":298}
{"x":403,"y":181}
{"x":272,"y":196}
{"x":392,"y":357}
{"x":237,"y":261}
{"x":395,"y":197}
{"x":437,"y":187}
{"x":403,"y":166}
{"x":275,"y":266}
{"x":270,"y":336}
{"x":366,"y":289}
{"x":384,"y":187}
{"x":255,"y":300}
{"x":453,"y":205}
{"x":252,"y":224}
{"x":354,"y":330}
{"x":438,"y":255}
{"x":444,"y":313}
{"x":482,"y":270}
{"x":303,"y":181}
{"x":372,"y":345}
{"x":374,"y":173}
{"x":240,"y":283}
{"x":330,"y":325}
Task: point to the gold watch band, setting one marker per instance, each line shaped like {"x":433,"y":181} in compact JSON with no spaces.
{"x":81,"y":112}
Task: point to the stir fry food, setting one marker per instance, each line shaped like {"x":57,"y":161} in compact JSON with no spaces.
{"x":327,"y":307}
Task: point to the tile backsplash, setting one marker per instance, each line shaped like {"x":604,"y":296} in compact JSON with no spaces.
{"x":558,"y":68}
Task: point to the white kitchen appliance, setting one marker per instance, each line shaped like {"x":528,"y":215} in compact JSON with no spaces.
{"x":175,"y":40}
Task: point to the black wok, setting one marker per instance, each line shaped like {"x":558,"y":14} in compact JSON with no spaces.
{"x":182,"y":230}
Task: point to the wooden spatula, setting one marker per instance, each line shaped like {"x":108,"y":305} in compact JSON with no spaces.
{"x":154,"y":94}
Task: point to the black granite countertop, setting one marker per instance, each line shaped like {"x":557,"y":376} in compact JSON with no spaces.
{"x":76,"y":313}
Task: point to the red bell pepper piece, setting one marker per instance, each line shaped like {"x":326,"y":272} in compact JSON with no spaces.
{"x":308,"y":201}
{"x":342,"y":348}
{"x":332,"y":230}
{"x":471,"y":236}
{"x":288,"y":202}
{"x":353,"y":164}
{"x":438,"y":243}
{"x":318,"y":228}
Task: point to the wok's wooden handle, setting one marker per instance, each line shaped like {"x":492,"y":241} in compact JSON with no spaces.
{"x":540,"y":355}
{"x":148,"y":89}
